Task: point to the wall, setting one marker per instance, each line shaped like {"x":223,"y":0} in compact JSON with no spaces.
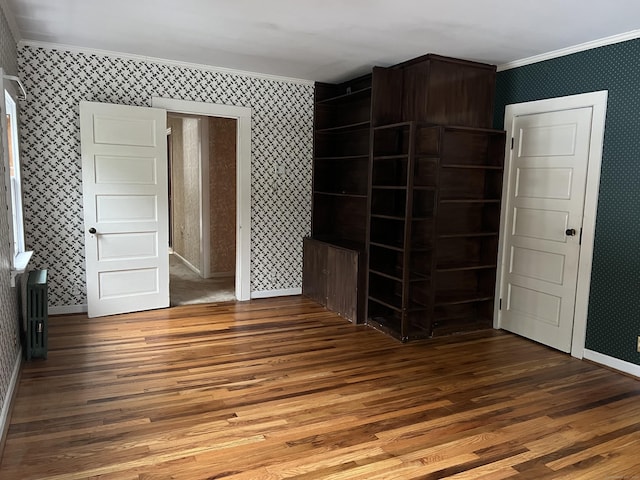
{"x":613,"y":322}
{"x":185,"y":191}
{"x":8,"y":297}
{"x":222,"y":191}
{"x":57,"y":80}
{"x":176,"y":182}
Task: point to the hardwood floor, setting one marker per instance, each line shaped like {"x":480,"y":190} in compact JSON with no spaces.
{"x":281,"y":388}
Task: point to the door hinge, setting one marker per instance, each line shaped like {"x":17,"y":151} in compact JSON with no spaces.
{"x":500,"y":305}
{"x":580,"y":239}
{"x":512,"y":142}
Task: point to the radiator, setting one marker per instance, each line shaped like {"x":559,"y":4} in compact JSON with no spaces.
{"x":36,"y":314}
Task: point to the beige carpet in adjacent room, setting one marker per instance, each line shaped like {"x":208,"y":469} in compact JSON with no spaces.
{"x":187,"y":287}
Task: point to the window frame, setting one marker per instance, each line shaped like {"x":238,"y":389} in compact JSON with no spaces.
{"x":13,"y":185}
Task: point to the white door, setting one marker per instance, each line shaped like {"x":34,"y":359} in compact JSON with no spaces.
{"x":544,"y":214}
{"x":124,"y":179}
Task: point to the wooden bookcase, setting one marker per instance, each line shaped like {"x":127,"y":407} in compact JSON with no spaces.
{"x":379,"y":183}
{"x":341,"y":161}
{"x":434,"y":219}
{"x":402,"y":233}
{"x":334,"y":268}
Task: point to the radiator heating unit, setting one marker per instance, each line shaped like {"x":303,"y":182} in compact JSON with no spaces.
{"x":36,"y":315}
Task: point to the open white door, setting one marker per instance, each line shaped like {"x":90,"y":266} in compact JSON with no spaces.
{"x":124,"y":178}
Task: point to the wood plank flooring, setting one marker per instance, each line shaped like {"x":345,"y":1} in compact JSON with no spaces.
{"x":281,"y":388}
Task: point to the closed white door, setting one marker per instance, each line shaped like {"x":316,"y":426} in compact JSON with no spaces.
{"x":544,"y":209}
{"x":124,"y":178}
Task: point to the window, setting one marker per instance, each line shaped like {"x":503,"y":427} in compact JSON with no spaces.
{"x":13,"y":160}
{"x":13,"y":184}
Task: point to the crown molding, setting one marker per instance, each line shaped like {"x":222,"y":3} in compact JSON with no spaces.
{"x":602,"y":42}
{"x":11,"y":20}
{"x":161,"y":61}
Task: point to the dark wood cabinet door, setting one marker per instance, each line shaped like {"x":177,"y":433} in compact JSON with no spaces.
{"x":342,"y":282}
{"x":314,"y":270}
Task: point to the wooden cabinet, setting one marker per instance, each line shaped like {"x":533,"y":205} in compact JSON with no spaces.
{"x":434,"y":220}
{"x":332,"y":277}
{"x":405,"y":204}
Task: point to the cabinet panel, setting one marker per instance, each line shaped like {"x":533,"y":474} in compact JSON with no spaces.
{"x":342,"y":282}
{"x":314,"y":270}
{"x":334,"y":277}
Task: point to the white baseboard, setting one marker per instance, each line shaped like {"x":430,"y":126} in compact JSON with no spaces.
{"x":67,"y":309}
{"x":276,"y":293}
{"x":11,"y":390}
{"x":611,"y":362}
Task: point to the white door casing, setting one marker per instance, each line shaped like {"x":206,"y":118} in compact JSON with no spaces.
{"x":551,"y":185}
{"x":124,"y":178}
{"x":243,"y":178}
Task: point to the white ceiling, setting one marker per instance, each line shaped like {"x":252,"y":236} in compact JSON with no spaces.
{"x":323,"y":40}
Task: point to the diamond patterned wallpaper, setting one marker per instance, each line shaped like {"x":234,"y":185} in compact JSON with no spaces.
{"x":8,"y":298}
{"x":613,"y":322}
{"x":281,"y":135}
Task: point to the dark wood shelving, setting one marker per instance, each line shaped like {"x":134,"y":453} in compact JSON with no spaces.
{"x":343,"y":157}
{"x":334,"y":265}
{"x":341,"y":194}
{"x":388,"y":217}
{"x":459,"y":298}
{"x":348,"y":127}
{"x":346,"y":97}
{"x":473,"y":167}
{"x":407,"y":180}
{"x":397,"y":275}
{"x":393,"y":301}
{"x":472,"y":200}
{"x":463,"y":204}
{"x":468,"y":234}
{"x":400,"y":156}
{"x":457,"y":267}
{"x":398,"y":247}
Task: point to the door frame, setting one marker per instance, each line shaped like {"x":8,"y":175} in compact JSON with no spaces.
{"x":598,"y":102}
{"x":243,"y":177}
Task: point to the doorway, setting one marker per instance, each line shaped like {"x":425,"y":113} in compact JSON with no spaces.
{"x":202,"y":154}
{"x":243,"y":178}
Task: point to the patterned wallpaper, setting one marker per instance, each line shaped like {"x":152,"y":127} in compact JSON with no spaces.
{"x":8,"y":297}
{"x":613,"y":322}
{"x":222,"y":186}
{"x":281,"y":135}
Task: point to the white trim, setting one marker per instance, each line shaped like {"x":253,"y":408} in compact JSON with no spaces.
{"x":276,"y":293}
{"x":11,"y":20}
{"x":11,"y":390}
{"x":598,"y":102}
{"x":68,"y":309}
{"x":602,"y":42}
{"x":162,"y":61}
{"x":611,"y":362}
{"x":20,"y":265}
{"x":243,"y":177}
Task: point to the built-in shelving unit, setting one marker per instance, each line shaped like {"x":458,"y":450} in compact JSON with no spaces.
{"x":433,"y":235}
{"x":334,"y":256}
{"x":406,"y":202}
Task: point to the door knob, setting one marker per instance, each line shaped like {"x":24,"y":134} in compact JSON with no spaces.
{"x":92,"y":231}
{"x":570,"y":232}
